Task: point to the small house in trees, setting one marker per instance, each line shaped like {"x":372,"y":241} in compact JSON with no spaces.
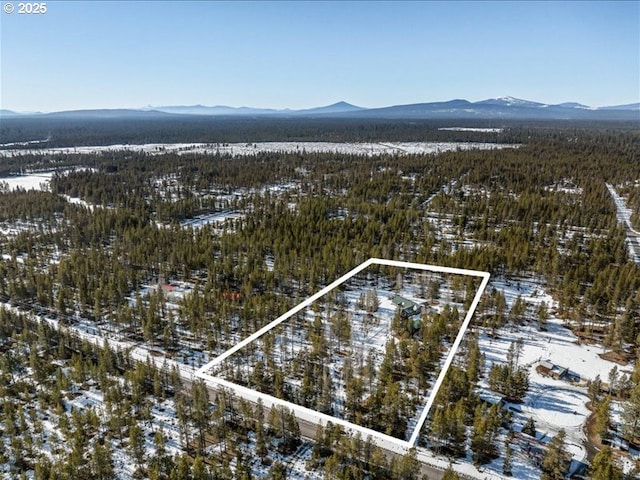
{"x":408,"y":308}
{"x":549,"y":369}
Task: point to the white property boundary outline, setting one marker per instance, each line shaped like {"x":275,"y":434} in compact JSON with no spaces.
{"x":383,"y":440}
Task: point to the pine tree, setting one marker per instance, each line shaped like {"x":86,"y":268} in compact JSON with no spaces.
{"x":554,"y":465}
{"x":200,"y":413}
{"x":485,"y":427}
{"x":182,"y":470}
{"x":529,"y":427}
{"x":408,"y":468}
{"x":332,"y":467}
{"x":101,"y":462}
{"x":613,"y":380}
{"x":518,"y":310}
{"x":631,"y":414}
{"x":543,"y":316}
{"x":199,"y":469}
{"x":506,"y":466}
{"x":326,"y":392}
{"x":593,"y":390}
{"x":475,"y":360}
{"x":479,"y":445}
{"x":513,"y":354}
{"x":371,"y":301}
{"x":448,"y":427}
{"x":603,"y":468}
{"x":136,"y":444}
{"x":450,"y":474}
{"x":510,"y":381}
{"x":603,"y":418}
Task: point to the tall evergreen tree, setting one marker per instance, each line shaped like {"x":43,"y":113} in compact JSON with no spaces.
{"x":554,"y":465}
{"x":603,"y":467}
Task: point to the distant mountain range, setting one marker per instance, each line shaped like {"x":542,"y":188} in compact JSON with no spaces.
{"x":507,"y":108}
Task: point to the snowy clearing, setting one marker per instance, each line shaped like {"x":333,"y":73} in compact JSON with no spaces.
{"x":288,"y":147}
{"x":34,"y":181}
{"x":472,"y":129}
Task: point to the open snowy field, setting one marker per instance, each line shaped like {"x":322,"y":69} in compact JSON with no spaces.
{"x":37,"y":180}
{"x":289,"y":147}
{"x":34,"y":181}
{"x":472,"y":129}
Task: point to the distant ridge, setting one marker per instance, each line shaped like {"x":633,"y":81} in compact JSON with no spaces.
{"x":105,"y":113}
{"x":507,"y":108}
{"x":215,"y":110}
{"x":339,"y":107}
{"x":503,"y":108}
{"x":630,"y":106}
{"x":573,"y":105}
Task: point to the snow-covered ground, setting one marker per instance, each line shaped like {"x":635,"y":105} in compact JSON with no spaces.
{"x":85,"y":397}
{"x":79,"y":201}
{"x":369,"y":335}
{"x":624,"y":217}
{"x":11,"y":229}
{"x":251,"y":148}
{"x":472,"y":129}
{"x":553,"y":404}
{"x":624,"y":212}
{"x":21,"y":144}
{"x":39,"y":180}
{"x":213,"y":218}
{"x":33,"y":181}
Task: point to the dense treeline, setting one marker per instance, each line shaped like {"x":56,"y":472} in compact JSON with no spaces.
{"x":547,"y":212}
{"x":64,"y":132}
{"x":346,"y":207}
{"x":185,"y":129}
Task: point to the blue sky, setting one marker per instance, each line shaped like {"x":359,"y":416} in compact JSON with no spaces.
{"x":120,"y":54}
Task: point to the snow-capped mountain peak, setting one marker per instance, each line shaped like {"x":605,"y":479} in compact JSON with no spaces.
{"x":511,"y":102}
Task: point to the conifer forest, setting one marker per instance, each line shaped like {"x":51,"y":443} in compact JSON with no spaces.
{"x":124,"y":271}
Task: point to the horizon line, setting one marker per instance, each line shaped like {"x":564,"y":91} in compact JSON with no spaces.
{"x":151,"y":107}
